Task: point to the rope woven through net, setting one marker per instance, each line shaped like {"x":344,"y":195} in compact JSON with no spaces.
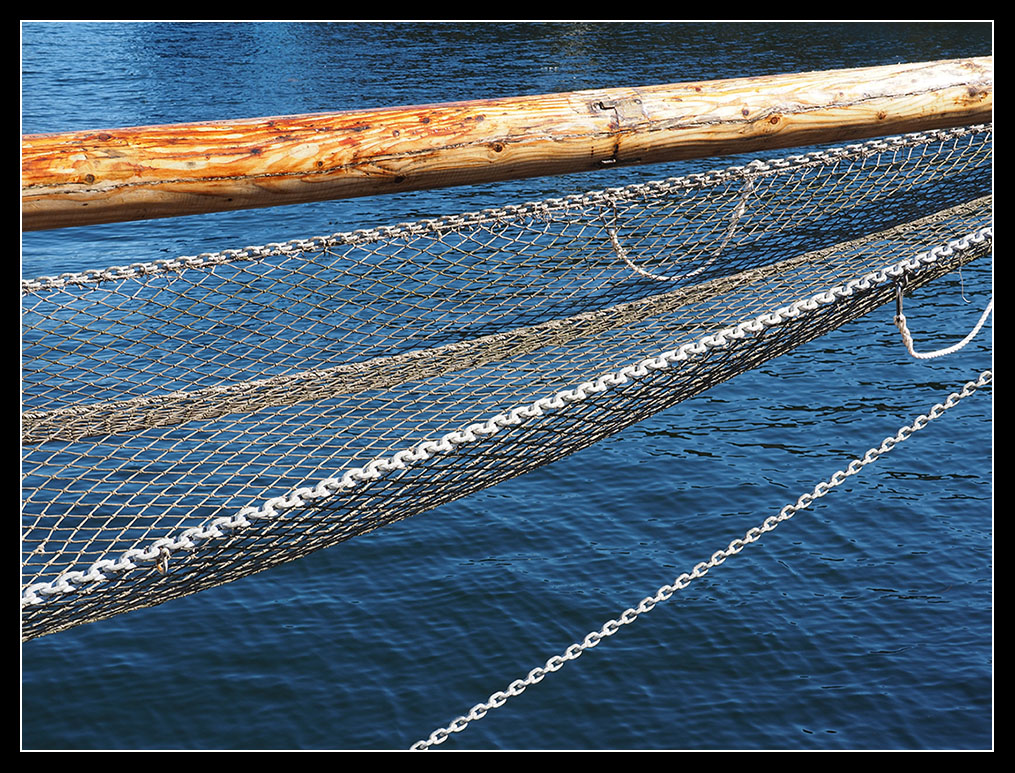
{"x":189,"y":422}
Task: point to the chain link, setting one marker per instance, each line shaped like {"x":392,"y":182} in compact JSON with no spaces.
{"x":611,"y":627}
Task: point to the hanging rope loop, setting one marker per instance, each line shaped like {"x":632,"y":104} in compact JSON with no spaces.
{"x":735,"y":217}
{"x":907,"y":338}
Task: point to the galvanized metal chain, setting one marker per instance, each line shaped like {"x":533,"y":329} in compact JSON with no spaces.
{"x":576,"y":650}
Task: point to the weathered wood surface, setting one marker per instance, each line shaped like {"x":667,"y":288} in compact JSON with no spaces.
{"x":113,"y":175}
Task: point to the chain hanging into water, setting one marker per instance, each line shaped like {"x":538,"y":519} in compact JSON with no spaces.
{"x":555,"y":663}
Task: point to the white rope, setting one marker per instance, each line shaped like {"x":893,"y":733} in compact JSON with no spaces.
{"x":575,"y":651}
{"x":900,"y":323}
{"x":749,"y":183}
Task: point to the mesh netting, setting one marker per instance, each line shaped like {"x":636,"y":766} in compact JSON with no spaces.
{"x":189,"y":422}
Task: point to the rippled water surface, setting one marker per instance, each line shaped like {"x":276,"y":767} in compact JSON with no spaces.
{"x":863,"y":623}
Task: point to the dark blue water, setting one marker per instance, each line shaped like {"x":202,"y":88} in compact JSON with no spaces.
{"x":864,"y":623}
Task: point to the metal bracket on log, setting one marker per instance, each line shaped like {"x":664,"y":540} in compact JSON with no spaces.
{"x":626,"y":112}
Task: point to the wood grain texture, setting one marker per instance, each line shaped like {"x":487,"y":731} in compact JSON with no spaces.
{"x":114,"y":175}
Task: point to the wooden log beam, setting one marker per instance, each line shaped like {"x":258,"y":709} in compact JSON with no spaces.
{"x":114,"y":175}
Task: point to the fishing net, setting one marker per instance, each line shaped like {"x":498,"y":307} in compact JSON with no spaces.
{"x":189,"y":422}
